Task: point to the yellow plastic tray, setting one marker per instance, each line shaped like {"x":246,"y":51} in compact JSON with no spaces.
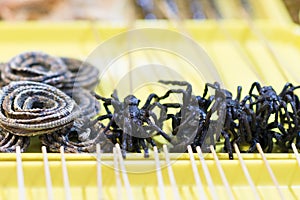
{"x":80,"y":38}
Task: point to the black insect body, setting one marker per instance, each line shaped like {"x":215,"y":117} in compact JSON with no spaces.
{"x":272,"y":115}
{"x":268,"y":103}
{"x":188,"y":122}
{"x":289,"y":127}
{"x":235,"y":119}
{"x":133,"y":125}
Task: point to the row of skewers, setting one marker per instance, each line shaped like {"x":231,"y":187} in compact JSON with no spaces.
{"x":262,"y":116}
{"x":53,"y":97}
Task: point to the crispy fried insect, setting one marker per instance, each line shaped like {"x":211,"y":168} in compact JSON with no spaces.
{"x":272,"y":114}
{"x":238,"y":119}
{"x":188,"y":122}
{"x":136,"y":124}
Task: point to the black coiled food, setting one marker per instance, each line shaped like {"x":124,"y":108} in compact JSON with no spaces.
{"x":30,"y":108}
{"x":35,"y":66}
{"x":9,"y":142}
{"x":82,"y":75}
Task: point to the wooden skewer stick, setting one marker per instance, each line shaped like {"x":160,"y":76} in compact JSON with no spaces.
{"x":196,"y":174}
{"x":21,"y":185}
{"x":269,"y":170}
{"x":161,"y":187}
{"x":296,"y":153}
{"x":210,"y":183}
{"x":117,"y":174}
{"x":171,"y":174}
{"x":222,"y":174}
{"x":99,"y":172}
{"x":246,"y":172}
{"x":124,"y":173}
{"x":47,"y":174}
{"x":65,"y":174}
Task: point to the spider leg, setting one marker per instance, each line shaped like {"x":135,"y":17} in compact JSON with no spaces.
{"x":148,"y":101}
{"x":258,"y":87}
{"x":172,"y":105}
{"x":264,"y":112}
{"x":204,"y":103}
{"x":287,"y":87}
{"x":245,"y":100}
{"x":291,"y":101}
{"x":180,"y":83}
{"x":227,"y":144}
{"x":286,"y":113}
{"x":215,"y":86}
{"x":151,"y":141}
{"x":136,"y":144}
{"x":106,"y":101}
{"x":270,"y":136}
{"x":145,"y":148}
{"x":127,"y":139}
{"x":239,"y":92}
{"x":252,"y":147}
{"x":249,"y":128}
{"x":114,"y":95}
{"x":298,"y":140}
{"x":124,"y":145}
{"x":186,"y":95}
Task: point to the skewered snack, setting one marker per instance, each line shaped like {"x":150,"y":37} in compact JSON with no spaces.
{"x":267,"y":103}
{"x":30,"y":108}
{"x":265,"y":118}
{"x":237,"y":117}
{"x":35,"y":66}
{"x":188,"y":123}
{"x":135,"y":123}
{"x":35,"y":107}
{"x":9,"y":142}
{"x":82,"y":75}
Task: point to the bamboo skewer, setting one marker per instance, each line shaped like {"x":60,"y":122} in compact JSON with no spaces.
{"x":269,"y":170}
{"x":124,"y":173}
{"x":171,"y":174}
{"x":99,"y":173}
{"x":117,"y":174}
{"x":20,"y":174}
{"x":246,"y":172}
{"x":209,"y":180}
{"x":161,"y":187}
{"x":196,"y":174}
{"x":65,"y":174}
{"x":47,"y":174}
{"x":222,"y":174}
{"x":296,"y":153}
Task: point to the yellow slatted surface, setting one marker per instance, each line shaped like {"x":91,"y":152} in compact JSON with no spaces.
{"x":240,"y":55}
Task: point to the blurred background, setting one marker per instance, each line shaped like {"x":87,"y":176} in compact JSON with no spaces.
{"x":120,"y":10}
